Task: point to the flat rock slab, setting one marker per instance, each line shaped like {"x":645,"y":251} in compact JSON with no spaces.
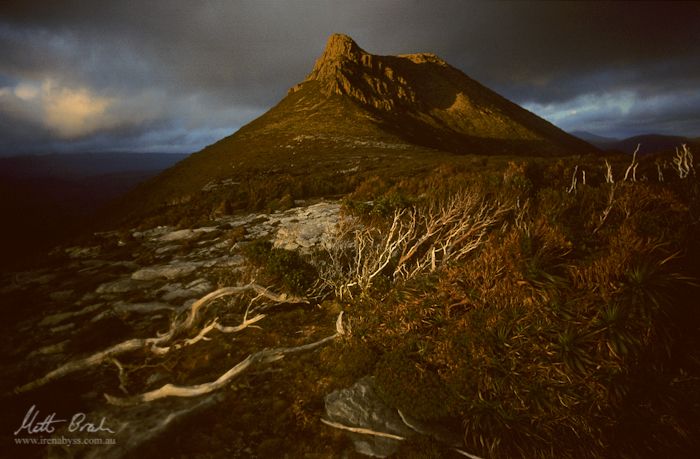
{"x":307,"y":227}
{"x":55,"y":319}
{"x":195,"y":289}
{"x":185,"y":234}
{"x":120,"y":286}
{"x":171,"y":271}
{"x":140,"y":308}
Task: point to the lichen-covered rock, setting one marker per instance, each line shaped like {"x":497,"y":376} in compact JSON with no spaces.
{"x":307,"y":227}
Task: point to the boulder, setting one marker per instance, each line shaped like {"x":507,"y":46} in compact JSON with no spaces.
{"x":360,"y":406}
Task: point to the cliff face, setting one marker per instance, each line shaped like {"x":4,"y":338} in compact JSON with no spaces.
{"x":347,"y":70}
{"x":433,"y":103}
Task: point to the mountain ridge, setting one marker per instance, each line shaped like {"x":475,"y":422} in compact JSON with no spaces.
{"x":648,"y":143}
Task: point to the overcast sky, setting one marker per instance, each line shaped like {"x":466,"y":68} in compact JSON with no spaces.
{"x":175,"y":75}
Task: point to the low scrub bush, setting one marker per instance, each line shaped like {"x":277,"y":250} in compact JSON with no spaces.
{"x":286,"y":268}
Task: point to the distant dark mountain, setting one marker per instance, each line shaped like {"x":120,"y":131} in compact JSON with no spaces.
{"x":652,"y":143}
{"x":601,"y":142}
{"x":75,"y":166}
{"x":45,"y":199}
{"x":648,"y":143}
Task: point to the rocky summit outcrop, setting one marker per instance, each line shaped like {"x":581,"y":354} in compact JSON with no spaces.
{"x":346,"y":69}
{"x":437,"y":103}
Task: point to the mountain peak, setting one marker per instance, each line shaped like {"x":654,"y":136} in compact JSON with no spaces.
{"x":345,"y":69}
{"x":422,"y":97}
{"x":341,"y":53}
{"x":357,"y":106}
{"x":341,"y":46}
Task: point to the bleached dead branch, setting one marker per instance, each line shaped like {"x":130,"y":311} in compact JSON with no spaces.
{"x":417,"y":240}
{"x":633,"y":166}
{"x":164,"y":342}
{"x":446,"y":232}
{"x":683,"y":162}
{"x":362,"y":430}
{"x":93,"y":360}
{"x":574,"y":180}
{"x":376,"y":433}
{"x":608,"y":208}
{"x":466,"y":454}
{"x":260,"y":357}
{"x":609,"y":179}
{"x":410,"y":425}
{"x":213,"y":325}
{"x":376,"y":249}
{"x":227,"y":291}
{"x":660,"y":174}
{"x":122,"y":375}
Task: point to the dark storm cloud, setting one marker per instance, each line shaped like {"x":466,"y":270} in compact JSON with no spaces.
{"x":176,"y":75}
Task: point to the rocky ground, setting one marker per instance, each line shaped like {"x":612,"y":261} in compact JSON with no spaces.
{"x":131,"y":285}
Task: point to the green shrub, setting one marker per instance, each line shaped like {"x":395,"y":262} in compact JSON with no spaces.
{"x":285,"y":267}
{"x":258,"y":251}
{"x":295,"y":274}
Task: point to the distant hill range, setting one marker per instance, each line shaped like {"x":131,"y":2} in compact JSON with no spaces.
{"x":45,"y":198}
{"x":81,"y":165}
{"x":84,"y":180}
{"x":648,"y":143}
{"x":353,"y":110}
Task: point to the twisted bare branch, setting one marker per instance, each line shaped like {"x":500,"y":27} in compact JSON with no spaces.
{"x":418,"y":240}
{"x":163,"y":343}
{"x":683,"y":162}
{"x":260,"y":357}
{"x":633,"y":166}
